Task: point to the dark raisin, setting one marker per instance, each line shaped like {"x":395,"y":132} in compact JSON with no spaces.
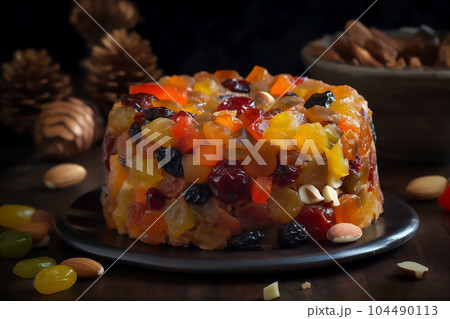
{"x":324,"y":99}
{"x":374,"y":134}
{"x":291,"y":94}
{"x":154,"y":198}
{"x":236,"y":85}
{"x":229,"y":182}
{"x":139,"y":101}
{"x":136,"y":126}
{"x":197,"y":194}
{"x":108,"y":144}
{"x":293,"y":234}
{"x":285,"y":175}
{"x":171,"y":159}
{"x":155,"y":112}
{"x":250,"y":240}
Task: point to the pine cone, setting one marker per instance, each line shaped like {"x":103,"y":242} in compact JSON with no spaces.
{"x":110,"y":14}
{"x":66,"y":128}
{"x":111,"y":71}
{"x":29,"y":80}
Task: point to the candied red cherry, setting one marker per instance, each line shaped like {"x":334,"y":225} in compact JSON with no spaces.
{"x":173,"y":157}
{"x":317,"y":219}
{"x":229,"y":182}
{"x":324,"y":99}
{"x":197,"y":194}
{"x":155,"y":112}
{"x":236,"y":85}
{"x":250,"y":240}
{"x":285,"y":175}
{"x":154,"y":199}
{"x":107,"y":147}
{"x":243,"y":105}
{"x":139,"y":101}
{"x":135,"y":213}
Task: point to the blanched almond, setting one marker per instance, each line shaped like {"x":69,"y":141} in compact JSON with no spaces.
{"x":309,"y":194}
{"x":330,"y":195}
{"x":84,"y":267}
{"x":344,"y":233}
{"x":64,"y":175}
{"x":413,"y":269}
{"x":426,"y":187}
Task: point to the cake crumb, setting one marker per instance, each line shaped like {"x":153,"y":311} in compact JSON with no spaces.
{"x":306,"y":285}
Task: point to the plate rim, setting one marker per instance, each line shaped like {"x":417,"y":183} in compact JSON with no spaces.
{"x":208,"y":266}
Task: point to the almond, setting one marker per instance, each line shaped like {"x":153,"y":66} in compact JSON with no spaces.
{"x":41,"y":216}
{"x":38,"y":231}
{"x":64,"y":175}
{"x":84,"y":267}
{"x":413,"y":269}
{"x":330,"y":195}
{"x":426,"y":187}
{"x":43,"y":243}
{"x":309,"y":194}
{"x":344,"y":233}
{"x":271,"y":291}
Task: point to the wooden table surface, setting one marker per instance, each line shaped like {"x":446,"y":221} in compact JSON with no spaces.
{"x":22,"y":184}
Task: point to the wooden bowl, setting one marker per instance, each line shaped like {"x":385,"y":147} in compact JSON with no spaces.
{"x":411,"y":106}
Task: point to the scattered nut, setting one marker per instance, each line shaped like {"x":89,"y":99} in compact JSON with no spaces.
{"x":310,"y":194}
{"x":413,"y":269}
{"x":41,"y":216}
{"x":426,"y":187}
{"x":344,"y":233}
{"x":330,"y":195}
{"x":43,"y":243}
{"x":64,"y":175}
{"x":306,"y":285}
{"x":271,"y":291}
{"x":38,"y":231}
{"x":84,"y":267}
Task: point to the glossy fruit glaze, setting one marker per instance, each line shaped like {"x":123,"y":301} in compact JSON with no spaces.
{"x":164,"y":187}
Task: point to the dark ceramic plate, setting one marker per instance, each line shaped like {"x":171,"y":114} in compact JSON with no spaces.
{"x":83,"y":227}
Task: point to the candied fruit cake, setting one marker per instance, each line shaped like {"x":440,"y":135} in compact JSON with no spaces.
{"x":216,"y":160}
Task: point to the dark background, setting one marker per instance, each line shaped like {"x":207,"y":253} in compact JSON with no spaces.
{"x":189,"y":36}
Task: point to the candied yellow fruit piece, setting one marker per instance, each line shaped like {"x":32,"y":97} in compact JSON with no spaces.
{"x":337,"y":164}
{"x":315,"y":133}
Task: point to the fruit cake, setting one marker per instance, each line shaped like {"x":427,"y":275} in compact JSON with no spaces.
{"x":216,"y":160}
